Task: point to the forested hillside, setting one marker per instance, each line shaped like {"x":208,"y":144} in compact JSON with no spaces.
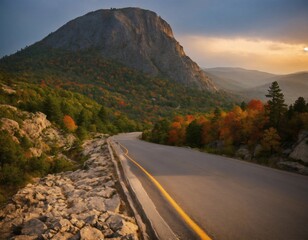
{"x":117,"y":87}
{"x":33,"y":146}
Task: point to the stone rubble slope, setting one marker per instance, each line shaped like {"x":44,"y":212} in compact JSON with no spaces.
{"x":83,"y":204}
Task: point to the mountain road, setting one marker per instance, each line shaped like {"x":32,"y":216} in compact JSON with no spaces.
{"x":227,"y":198}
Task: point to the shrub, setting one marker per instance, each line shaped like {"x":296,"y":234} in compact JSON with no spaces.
{"x":61,"y":164}
{"x":11,"y":175}
{"x":39,"y":166}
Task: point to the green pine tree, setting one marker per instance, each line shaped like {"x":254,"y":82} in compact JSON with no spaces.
{"x":276,"y":105}
{"x":300,"y":105}
{"x":193,"y":134}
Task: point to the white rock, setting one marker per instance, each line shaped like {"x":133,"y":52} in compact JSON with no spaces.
{"x":113,"y":204}
{"x":35,"y":125}
{"x":96,"y":203}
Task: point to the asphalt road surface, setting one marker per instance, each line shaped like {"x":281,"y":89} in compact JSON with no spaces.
{"x":228,"y":198}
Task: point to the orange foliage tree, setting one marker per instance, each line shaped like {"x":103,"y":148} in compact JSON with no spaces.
{"x":69,"y":123}
{"x":271,"y":140}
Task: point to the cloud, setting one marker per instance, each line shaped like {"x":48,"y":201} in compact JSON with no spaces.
{"x":281,"y":20}
{"x":261,"y":54}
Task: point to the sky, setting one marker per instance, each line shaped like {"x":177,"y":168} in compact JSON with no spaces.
{"x":266,"y":35}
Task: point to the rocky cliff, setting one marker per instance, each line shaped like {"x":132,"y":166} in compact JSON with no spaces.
{"x":135,"y":37}
{"x":36,"y":129}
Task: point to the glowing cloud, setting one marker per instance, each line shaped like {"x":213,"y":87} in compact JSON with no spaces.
{"x":260,"y":54}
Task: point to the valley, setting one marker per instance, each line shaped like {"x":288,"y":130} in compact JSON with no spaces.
{"x":254,"y":84}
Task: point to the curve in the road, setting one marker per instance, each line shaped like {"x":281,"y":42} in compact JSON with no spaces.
{"x":198,"y":230}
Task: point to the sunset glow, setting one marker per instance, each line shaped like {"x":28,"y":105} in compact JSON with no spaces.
{"x":266,"y":55}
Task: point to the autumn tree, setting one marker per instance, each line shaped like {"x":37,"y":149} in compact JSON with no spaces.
{"x":271,"y":140}
{"x":276,"y":105}
{"x":69,"y":123}
{"x":206,"y":134}
{"x":177,"y":130}
{"x":254,"y":123}
{"x":255,"y":105}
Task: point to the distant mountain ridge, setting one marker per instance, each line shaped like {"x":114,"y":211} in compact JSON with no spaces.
{"x":254,"y":84}
{"x":137,"y":38}
{"x":230,"y":78}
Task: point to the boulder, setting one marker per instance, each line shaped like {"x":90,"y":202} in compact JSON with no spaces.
{"x":98,"y":204}
{"x":294,"y":166}
{"x":243,"y":153}
{"x":113,"y":204}
{"x":62,"y":236}
{"x":115,"y":222}
{"x":77,"y":206}
{"x":300,"y":151}
{"x":258,"y":150}
{"x":63,"y":225}
{"x":35,"y":125}
{"x":91,"y":220}
{"x":128,"y":228}
{"x":77,"y":223}
{"x":108,"y":192}
{"x":90,"y":233}
{"x":34,"y":227}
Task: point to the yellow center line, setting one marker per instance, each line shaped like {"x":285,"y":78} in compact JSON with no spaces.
{"x":198,"y":230}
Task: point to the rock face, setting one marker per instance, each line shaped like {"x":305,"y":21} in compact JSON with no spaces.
{"x":83,"y":204}
{"x":134,"y":37}
{"x":300,"y":150}
{"x":243,"y":153}
{"x":37,"y":129}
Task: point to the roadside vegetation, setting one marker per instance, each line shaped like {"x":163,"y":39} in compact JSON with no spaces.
{"x":254,"y":131}
{"x":69,"y":113}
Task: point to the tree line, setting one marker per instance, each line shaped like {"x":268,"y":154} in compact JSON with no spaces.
{"x":270,"y":127}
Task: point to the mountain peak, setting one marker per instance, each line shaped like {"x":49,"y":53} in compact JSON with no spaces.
{"x":135,"y":37}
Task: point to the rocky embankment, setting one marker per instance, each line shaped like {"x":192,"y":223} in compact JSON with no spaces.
{"x":83,"y":204}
